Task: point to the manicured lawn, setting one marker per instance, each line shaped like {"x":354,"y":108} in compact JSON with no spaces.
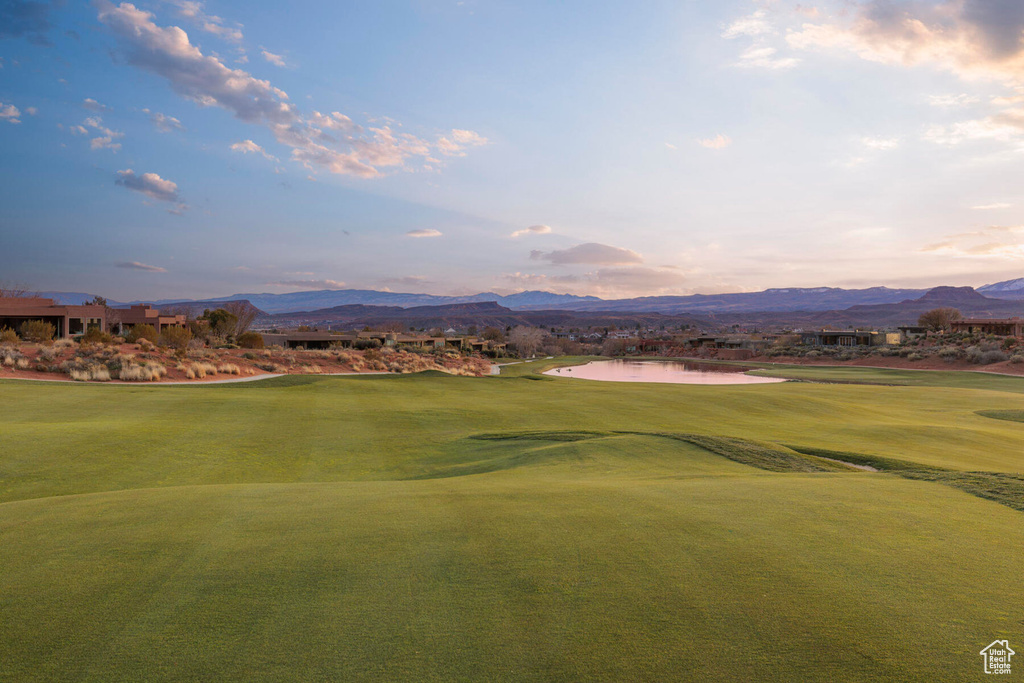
{"x":512,"y":528}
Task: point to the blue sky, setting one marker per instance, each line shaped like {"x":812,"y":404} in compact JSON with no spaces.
{"x":194,"y":149}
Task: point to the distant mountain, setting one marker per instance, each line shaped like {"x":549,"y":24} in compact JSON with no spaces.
{"x":73,"y":298}
{"x":1007,"y":289}
{"x":327,"y":298}
{"x":788,"y":299}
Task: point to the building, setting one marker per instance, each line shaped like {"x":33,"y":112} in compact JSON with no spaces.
{"x":908,"y":332}
{"x":849,"y":338}
{"x":142,"y":314}
{"x":1001,"y":327}
{"x":69,"y":321}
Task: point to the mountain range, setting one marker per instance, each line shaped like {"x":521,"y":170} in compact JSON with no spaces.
{"x":807,"y":299}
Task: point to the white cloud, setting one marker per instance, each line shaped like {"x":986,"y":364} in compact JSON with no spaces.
{"x":250,"y":147}
{"x":753,"y":25}
{"x":881,"y":143}
{"x":31,"y":111}
{"x":990,"y":207}
{"x":458,"y":140}
{"x":205,"y":80}
{"x":998,"y":242}
{"x":106,"y":137}
{"x":92,"y":105}
{"x":151,"y":185}
{"x":207,"y":22}
{"x":135,"y":265}
{"x":589,"y":253}
{"x":949,"y":101}
{"x":424,"y":232}
{"x":763,"y":57}
{"x":9,"y":113}
{"x":309,"y":284}
{"x":718,"y":142}
{"x":276,"y":60}
{"x":533,"y":230}
{"x":162,"y":122}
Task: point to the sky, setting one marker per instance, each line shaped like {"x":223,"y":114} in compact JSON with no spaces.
{"x":181,"y":148}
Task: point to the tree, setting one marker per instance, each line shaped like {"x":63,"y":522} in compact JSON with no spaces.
{"x":245,"y":313}
{"x":222,"y":322}
{"x":525,"y":340}
{"x":493,"y":334}
{"x":939,"y":319}
{"x":96,"y":301}
{"x":37,"y":331}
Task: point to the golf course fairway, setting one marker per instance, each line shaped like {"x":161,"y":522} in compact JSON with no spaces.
{"x":512,"y":528}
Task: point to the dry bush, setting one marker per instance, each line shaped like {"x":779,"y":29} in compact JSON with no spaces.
{"x":21,"y":363}
{"x":229,"y":369}
{"x":8,"y":336}
{"x":141,"y":332}
{"x":313,"y":369}
{"x":190,"y":373}
{"x":37,"y":331}
{"x":150,"y":372}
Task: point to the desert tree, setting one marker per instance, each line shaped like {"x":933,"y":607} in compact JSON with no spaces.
{"x":939,"y":319}
{"x":245,"y":313}
{"x":526,"y":340}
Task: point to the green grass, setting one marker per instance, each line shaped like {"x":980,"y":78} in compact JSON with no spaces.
{"x":441,"y":528}
{"x":894,"y":377}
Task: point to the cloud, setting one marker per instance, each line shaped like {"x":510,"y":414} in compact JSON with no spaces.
{"x":250,"y":147}
{"x":276,"y":60}
{"x":961,"y":100}
{"x":457,"y":141}
{"x":92,"y":105}
{"x":25,"y":19}
{"x":31,"y":111}
{"x":763,"y":57}
{"x":971,"y":38}
{"x":135,"y":265}
{"x":759,"y":54}
{"x":207,"y":22}
{"x":718,"y":142}
{"x":753,"y":25}
{"x":881,"y":143}
{"x":533,"y":230}
{"x":411,"y":280}
{"x":424,"y":232}
{"x":151,"y":185}
{"x":205,"y":80}
{"x":993,"y":242}
{"x":334,"y":121}
{"x":9,"y":113}
{"x":106,"y":137}
{"x":309,"y":284}
{"x":989,"y":207}
{"x":162,"y":122}
{"x":590,"y":253}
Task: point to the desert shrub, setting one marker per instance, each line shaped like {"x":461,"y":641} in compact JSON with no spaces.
{"x":915,"y":356}
{"x":985,"y":355}
{"x":21,"y":363}
{"x":150,"y":372}
{"x":91,"y":373}
{"x":37,"y":331}
{"x":950,"y":353}
{"x":229,"y":369}
{"x":8,"y":336}
{"x":176,"y":338}
{"x":62,"y":344}
{"x":95,"y":335}
{"x":139,"y":332}
{"x":1017,"y":358}
{"x":365,"y":344}
{"x":250,"y":340}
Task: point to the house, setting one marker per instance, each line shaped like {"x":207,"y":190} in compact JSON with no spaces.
{"x":68,"y":321}
{"x":143,"y":314}
{"x":908,"y":332}
{"x":1001,"y":327}
{"x":849,"y":338}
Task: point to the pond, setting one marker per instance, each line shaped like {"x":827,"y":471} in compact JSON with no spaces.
{"x":667,"y":372}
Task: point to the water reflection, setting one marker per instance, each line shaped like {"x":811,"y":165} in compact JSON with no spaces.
{"x":669,"y":372}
